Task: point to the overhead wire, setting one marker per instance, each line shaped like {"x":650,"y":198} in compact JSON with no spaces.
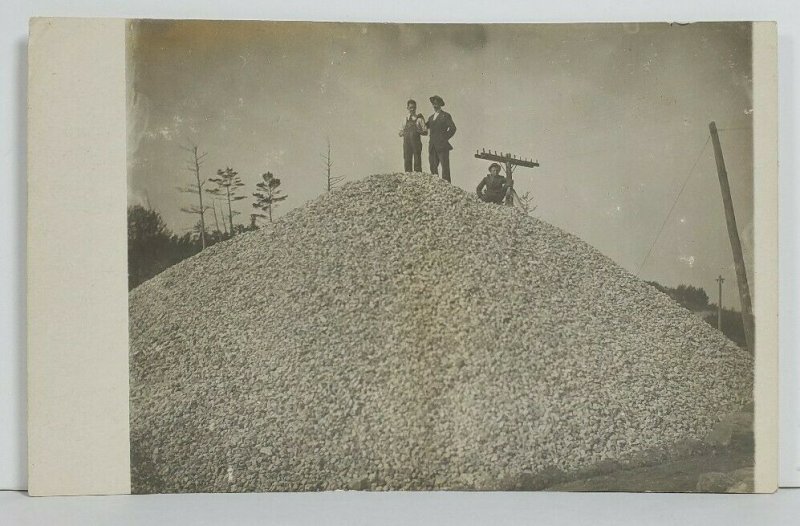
{"x":674,"y":203}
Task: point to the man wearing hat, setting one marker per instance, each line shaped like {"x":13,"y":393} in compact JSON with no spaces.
{"x":494,"y":187}
{"x":441,"y":128}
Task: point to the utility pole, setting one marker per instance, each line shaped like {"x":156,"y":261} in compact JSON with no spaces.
{"x":719,"y":280}
{"x":736,"y":244}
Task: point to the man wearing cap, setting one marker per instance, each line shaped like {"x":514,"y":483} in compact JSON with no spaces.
{"x":494,"y":187}
{"x":441,"y":128}
{"x":413,"y":127}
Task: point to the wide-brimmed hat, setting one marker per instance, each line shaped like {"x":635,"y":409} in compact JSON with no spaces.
{"x":436,"y":99}
{"x":495,"y":164}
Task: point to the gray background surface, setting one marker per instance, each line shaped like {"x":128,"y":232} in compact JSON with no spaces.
{"x":15,"y":508}
{"x":401,"y":509}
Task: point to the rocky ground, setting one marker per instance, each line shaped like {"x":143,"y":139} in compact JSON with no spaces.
{"x":400,"y":334}
{"x":721,"y":462}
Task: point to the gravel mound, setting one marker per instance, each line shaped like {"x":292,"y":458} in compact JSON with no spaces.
{"x":400,"y":334}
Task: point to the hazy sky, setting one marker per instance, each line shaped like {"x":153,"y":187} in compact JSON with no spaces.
{"x":616,"y":114}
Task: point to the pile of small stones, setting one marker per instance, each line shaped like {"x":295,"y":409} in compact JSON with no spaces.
{"x":400,"y":334}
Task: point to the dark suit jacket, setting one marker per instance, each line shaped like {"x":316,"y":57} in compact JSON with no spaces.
{"x":440,"y":131}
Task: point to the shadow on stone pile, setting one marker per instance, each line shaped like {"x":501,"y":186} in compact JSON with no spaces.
{"x":399,"y":334}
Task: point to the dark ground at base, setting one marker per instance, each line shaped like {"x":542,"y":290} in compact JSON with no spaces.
{"x":676,"y":476}
{"x":671,"y":476}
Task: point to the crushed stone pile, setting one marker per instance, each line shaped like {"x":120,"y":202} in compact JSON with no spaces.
{"x":400,"y":334}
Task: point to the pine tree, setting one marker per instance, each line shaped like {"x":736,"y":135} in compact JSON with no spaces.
{"x":268,"y":194}
{"x":227,"y":182}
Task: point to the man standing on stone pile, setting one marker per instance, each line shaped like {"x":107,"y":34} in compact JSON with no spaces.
{"x":413,"y":127}
{"x":441,"y":128}
{"x":494,"y":187}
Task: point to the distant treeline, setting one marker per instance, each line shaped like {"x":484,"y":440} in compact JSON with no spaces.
{"x":696,"y":300}
{"x":152,"y":247}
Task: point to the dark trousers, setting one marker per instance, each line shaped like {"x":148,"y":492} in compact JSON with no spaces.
{"x":412,"y":152}
{"x":442,"y":157}
{"x":493,"y":198}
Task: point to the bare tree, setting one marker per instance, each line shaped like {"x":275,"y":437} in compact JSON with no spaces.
{"x":268,"y":194}
{"x":216,"y":218}
{"x":524,"y":202}
{"x":193,"y":164}
{"x":228,"y":182}
{"x":222,"y":213}
{"x":332,"y":181}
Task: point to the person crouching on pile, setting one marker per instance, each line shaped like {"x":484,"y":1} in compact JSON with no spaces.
{"x":494,"y":187}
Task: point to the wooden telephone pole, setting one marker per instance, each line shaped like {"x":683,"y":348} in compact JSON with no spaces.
{"x":509,"y":163}
{"x":719,"y":280}
{"x":736,"y":244}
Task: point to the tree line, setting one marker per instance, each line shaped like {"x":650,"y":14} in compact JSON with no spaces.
{"x":696,"y":300}
{"x":153,"y":247}
{"x":226,"y":188}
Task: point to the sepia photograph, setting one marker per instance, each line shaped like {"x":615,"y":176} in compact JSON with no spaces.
{"x":466,"y":257}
